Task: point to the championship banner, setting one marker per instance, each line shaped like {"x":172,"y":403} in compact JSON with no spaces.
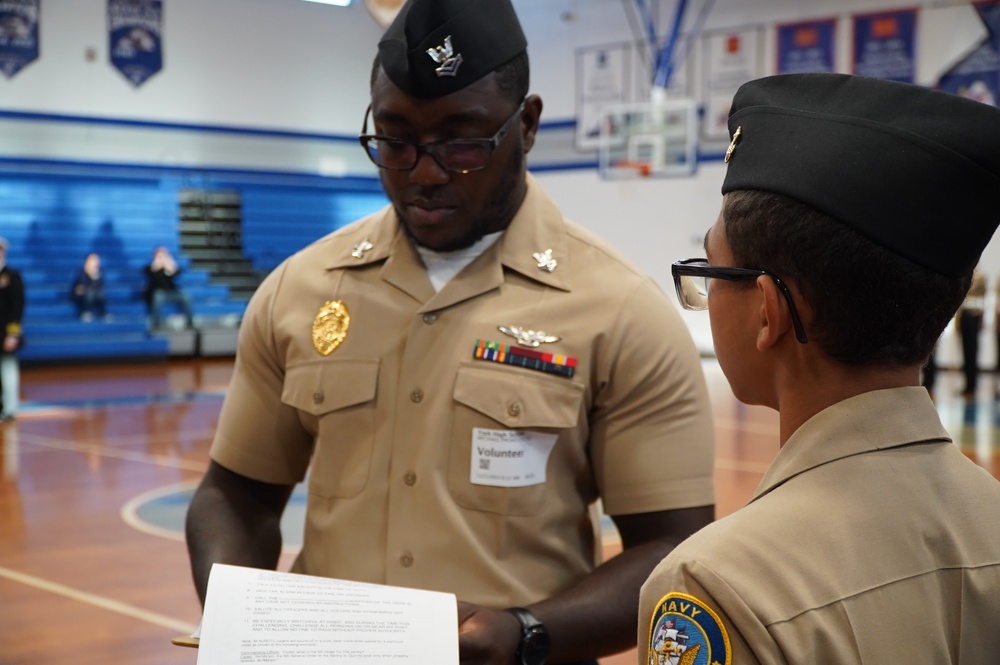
{"x":134,"y":30}
{"x":731,"y":59}
{"x":978,"y":75}
{"x":18,"y":35}
{"x":807,"y":47}
{"x":884,"y":45}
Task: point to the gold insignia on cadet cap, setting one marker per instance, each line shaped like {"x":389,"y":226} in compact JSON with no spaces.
{"x":446,"y":57}
{"x":545,"y":260}
{"x":330,"y":326}
{"x":361,"y":248}
{"x":732,"y":146}
{"x":528,"y":337}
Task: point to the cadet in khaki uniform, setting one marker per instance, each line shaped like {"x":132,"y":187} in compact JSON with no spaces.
{"x":855,"y":211}
{"x":467,"y":373}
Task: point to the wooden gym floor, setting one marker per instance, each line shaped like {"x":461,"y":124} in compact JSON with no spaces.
{"x":83,"y":580}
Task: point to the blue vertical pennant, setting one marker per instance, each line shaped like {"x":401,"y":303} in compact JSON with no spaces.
{"x":977,"y":76}
{"x":18,"y":35}
{"x":134,"y":30}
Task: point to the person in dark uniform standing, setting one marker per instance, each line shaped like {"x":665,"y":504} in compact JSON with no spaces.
{"x":11,"y":311}
{"x":969,"y":322}
{"x":854,"y":213}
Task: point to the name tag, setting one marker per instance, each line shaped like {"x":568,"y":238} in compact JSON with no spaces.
{"x":509,"y":458}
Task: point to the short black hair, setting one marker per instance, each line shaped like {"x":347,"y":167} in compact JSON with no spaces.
{"x":513,"y":77}
{"x":869,"y":305}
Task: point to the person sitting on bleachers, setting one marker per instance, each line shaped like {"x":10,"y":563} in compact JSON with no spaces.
{"x":161,"y":287}
{"x":88,"y":290}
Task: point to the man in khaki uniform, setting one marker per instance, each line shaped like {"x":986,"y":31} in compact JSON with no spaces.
{"x":855,"y":211}
{"x":467,"y":373}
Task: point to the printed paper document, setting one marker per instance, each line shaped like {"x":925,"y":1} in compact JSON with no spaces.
{"x":261,"y":616}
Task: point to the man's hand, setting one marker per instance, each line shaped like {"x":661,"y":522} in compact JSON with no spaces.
{"x":485,"y":636}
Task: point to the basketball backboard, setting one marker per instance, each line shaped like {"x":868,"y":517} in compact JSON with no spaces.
{"x":649,"y":139}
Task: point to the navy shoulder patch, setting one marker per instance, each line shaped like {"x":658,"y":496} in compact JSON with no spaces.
{"x":685,"y":631}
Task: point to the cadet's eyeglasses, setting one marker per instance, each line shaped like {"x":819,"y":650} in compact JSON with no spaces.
{"x":455,"y":155}
{"x":691,"y":282}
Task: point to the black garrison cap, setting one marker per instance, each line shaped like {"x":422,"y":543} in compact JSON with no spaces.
{"x":436,"y":47}
{"x":916,"y":170}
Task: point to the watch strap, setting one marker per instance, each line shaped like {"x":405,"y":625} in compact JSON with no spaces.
{"x":534,"y":646}
{"x":525,"y":617}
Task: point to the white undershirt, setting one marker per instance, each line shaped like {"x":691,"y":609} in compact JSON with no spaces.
{"x":442,"y":266}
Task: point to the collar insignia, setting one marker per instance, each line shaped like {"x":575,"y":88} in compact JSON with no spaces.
{"x":545,"y":260}
{"x":446,"y":57}
{"x":529,"y":337}
{"x":732,"y":146}
{"x":361,"y":248}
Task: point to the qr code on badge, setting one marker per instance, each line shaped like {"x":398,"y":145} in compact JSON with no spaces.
{"x":484,"y":465}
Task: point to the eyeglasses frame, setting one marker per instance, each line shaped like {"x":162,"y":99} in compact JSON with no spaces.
{"x":729,"y":274}
{"x":429,"y":148}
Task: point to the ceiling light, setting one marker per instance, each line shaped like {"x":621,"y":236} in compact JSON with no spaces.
{"x":339,"y":3}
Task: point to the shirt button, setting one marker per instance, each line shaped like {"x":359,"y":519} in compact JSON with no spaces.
{"x":317,"y":398}
{"x":430,"y":318}
{"x":514,"y":409}
{"x":417,"y":395}
{"x":406,"y":560}
{"x":410,"y":478}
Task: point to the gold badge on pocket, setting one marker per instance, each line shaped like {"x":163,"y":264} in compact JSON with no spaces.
{"x":330,"y":326}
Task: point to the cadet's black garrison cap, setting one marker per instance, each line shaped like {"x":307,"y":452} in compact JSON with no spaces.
{"x":436,"y":47}
{"x":916,"y":170}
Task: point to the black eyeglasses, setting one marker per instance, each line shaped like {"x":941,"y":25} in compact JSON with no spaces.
{"x":691,"y":282}
{"x":455,"y":155}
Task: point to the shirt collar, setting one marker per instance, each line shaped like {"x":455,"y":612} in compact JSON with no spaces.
{"x":864,"y":423}
{"x":537,"y":226}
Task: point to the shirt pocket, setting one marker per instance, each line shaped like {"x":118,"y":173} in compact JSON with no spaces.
{"x":339,"y":396}
{"x":498,"y":398}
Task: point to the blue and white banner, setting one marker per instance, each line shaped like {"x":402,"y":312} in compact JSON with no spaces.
{"x":977,"y":76}
{"x":807,"y":47}
{"x":884,"y":45}
{"x":134,"y":30}
{"x":18,"y":35}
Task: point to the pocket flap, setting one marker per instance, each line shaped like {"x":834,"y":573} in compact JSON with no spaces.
{"x":517,"y":400}
{"x":327,"y":385}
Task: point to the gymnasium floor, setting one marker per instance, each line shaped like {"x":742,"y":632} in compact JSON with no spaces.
{"x":94,"y":472}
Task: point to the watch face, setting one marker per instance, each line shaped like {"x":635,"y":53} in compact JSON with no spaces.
{"x":535,"y":647}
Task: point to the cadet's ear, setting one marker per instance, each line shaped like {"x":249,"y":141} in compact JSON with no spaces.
{"x":775,"y":317}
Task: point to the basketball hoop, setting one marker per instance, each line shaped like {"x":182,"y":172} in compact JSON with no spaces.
{"x":644,"y":169}
{"x":650,"y":139}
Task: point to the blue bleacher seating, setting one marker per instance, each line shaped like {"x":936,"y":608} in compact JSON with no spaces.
{"x":53,"y":220}
{"x":277,"y":222}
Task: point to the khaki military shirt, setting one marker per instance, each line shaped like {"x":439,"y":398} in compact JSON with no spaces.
{"x":432,"y":468}
{"x":871,"y":539}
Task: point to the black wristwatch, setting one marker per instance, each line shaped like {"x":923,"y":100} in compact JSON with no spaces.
{"x":535,"y":642}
